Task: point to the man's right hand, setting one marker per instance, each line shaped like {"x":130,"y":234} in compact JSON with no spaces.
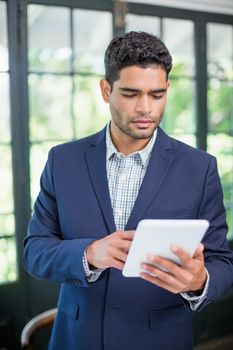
{"x":110,"y":251}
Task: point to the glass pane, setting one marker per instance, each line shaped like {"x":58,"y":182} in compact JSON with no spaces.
{"x":6,"y":197}
{"x":92,"y":33}
{"x":8,"y":271}
{"x":91,"y":112}
{"x":4,"y":109}
{"x":220,"y":50}
{"x":38,"y":157}
{"x":180,"y":45}
{"x":147,"y":24}
{"x":221,"y":145}
{"x":180,"y":110}
{"x":186,"y":138}
{"x":48,"y":38}
{"x":8,"y":264}
{"x":3,"y":38}
{"x":50,"y":107}
{"x":7,"y":224}
{"x":220,"y":106}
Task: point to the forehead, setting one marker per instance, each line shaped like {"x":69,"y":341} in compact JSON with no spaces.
{"x":140,"y":78}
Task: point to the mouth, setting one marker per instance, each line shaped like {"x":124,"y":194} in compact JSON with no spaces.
{"x":143,"y":123}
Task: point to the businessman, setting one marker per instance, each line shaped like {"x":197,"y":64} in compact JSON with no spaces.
{"x":94,"y":191}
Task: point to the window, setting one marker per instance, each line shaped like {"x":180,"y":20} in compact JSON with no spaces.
{"x":220,"y":107}
{"x":65,"y":100}
{"x":8,"y":270}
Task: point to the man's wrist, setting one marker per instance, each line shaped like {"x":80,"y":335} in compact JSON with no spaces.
{"x":89,"y":259}
{"x":199,"y":290}
{"x":194,"y":300}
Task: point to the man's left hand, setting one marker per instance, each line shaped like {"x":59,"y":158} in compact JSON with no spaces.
{"x":189,"y":276}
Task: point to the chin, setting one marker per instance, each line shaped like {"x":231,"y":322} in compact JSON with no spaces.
{"x":142,"y":135}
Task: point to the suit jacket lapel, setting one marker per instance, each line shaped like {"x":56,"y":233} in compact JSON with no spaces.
{"x":159,"y":165}
{"x":96,"y":162}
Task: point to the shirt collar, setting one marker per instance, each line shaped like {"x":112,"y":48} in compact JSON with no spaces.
{"x":144,"y":153}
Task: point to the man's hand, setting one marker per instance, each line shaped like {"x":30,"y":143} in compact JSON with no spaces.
{"x":110,"y":251}
{"x":190,"y":276}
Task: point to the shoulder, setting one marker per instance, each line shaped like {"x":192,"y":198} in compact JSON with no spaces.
{"x":77,"y":147}
{"x":184,"y":153}
{"x":190,"y":150}
{"x":192,"y":161}
{"x":184,"y":150}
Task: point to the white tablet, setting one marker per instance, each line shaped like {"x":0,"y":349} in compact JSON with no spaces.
{"x":157,"y":236}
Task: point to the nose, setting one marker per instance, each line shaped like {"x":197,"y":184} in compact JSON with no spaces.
{"x":144,"y":105}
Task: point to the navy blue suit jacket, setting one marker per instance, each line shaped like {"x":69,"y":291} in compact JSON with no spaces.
{"x":74,"y":208}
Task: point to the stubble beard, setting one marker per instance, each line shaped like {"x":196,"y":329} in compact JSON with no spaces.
{"x":123,"y":127}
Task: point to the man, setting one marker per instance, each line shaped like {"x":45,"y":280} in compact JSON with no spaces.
{"x":93,"y":194}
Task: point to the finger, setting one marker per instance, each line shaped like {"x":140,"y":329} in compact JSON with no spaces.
{"x":117,"y":264}
{"x":127,"y":235}
{"x":165,"y":264}
{"x":199,"y":251}
{"x":155,"y":271}
{"x":124,"y":245}
{"x":160,"y":283}
{"x":185,"y":257}
{"x":183,"y":277}
{"x":120,"y":255}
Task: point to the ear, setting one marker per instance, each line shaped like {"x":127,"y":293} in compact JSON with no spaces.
{"x":168,"y":84}
{"x":105,"y":89}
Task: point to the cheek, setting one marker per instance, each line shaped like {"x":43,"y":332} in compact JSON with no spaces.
{"x":125,"y":107}
{"x":159,"y":106}
{"x":119,"y":110}
{"x":117,"y":102}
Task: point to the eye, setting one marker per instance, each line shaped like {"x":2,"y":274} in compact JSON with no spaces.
{"x":157,"y":97}
{"x":128,"y":96}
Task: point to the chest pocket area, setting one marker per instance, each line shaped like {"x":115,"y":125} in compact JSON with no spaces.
{"x":188,"y":213}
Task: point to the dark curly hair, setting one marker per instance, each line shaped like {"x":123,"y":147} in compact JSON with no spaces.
{"x":135,"y":48}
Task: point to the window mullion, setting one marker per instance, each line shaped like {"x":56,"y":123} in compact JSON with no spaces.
{"x":201,"y":85}
{"x":17,"y":23}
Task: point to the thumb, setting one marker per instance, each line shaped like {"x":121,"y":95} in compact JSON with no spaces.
{"x":199,"y":250}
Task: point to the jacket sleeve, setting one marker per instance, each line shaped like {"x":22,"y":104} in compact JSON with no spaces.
{"x":46,"y":254}
{"x":218,"y":256}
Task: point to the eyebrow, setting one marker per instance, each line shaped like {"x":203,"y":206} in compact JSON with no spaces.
{"x":155,"y":91}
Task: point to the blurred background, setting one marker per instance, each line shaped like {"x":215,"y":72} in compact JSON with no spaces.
{"x":51,"y":62}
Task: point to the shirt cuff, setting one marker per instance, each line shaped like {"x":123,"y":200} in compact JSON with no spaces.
{"x":91,"y":275}
{"x":194,"y":300}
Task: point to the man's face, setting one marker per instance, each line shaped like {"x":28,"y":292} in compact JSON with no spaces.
{"x":137,"y":100}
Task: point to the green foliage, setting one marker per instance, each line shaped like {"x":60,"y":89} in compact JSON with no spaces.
{"x":220,"y":106}
{"x":45,"y":60}
{"x":180,"y":114}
